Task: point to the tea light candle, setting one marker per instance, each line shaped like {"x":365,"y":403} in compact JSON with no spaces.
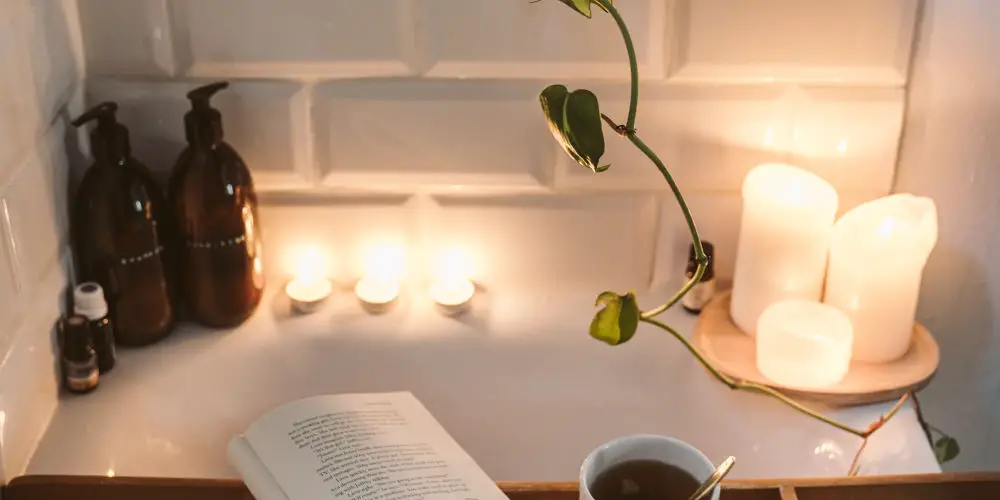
{"x":784,"y":237}
{"x":379,"y":287}
{"x":877,"y":257}
{"x":310,"y":287}
{"x":453,"y":296}
{"x":803,"y":344}
{"x":452,"y":290}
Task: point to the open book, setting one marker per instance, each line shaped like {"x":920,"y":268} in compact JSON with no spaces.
{"x":356,"y":446}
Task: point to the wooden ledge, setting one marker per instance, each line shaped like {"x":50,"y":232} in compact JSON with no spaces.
{"x":922,"y":487}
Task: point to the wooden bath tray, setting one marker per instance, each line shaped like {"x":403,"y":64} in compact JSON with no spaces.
{"x":979,"y":486}
{"x":733,"y":352}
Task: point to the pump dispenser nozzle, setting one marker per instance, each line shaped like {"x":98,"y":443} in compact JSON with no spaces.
{"x":109,"y":140}
{"x":203,"y":124}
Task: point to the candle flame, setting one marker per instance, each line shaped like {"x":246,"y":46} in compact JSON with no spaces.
{"x":453,"y":263}
{"x":385,"y":262}
{"x":309,"y":265}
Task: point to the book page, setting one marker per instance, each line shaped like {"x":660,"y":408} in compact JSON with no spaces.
{"x":366,"y":446}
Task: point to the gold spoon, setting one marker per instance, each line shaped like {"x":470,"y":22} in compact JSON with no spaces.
{"x":713,"y":480}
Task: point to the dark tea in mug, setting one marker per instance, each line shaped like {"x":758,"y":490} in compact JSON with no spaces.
{"x":643,"y":480}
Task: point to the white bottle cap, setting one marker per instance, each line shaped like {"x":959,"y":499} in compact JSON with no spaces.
{"x":88,"y":300}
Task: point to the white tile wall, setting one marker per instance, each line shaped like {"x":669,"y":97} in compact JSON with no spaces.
{"x":127,"y":37}
{"x":514,"y":38}
{"x":438,"y":97}
{"x":341,"y":228}
{"x":417,"y":121}
{"x":317,"y":38}
{"x":813,"y":41}
{"x":266,"y":121}
{"x":37,"y":226}
{"x":419,"y":134}
{"x":560,"y":240}
{"x":39,"y":47}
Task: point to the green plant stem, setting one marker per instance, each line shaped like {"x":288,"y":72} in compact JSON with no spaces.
{"x":629,"y":131}
{"x":633,"y":104}
{"x":699,"y":250}
{"x":763,"y":389}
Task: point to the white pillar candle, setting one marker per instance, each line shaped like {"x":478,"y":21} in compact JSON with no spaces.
{"x":877,"y":257}
{"x":784,"y":237}
{"x":803,"y":344}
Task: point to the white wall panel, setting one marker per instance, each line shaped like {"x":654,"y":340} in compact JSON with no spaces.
{"x":849,"y":137}
{"x":708,"y":138}
{"x":412,"y":134}
{"x":127,"y":37}
{"x":808,"y":41}
{"x":511,"y":39}
{"x":296,"y":37}
{"x":264,"y":120}
{"x":550,"y":241}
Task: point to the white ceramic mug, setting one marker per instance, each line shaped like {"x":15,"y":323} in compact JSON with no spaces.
{"x":645,"y":447}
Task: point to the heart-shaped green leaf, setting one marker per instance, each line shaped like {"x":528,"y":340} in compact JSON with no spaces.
{"x":583,"y":6}
{"x":946,"y":448}
{"x":617,"y":322}
{"x":583,"y":125}
{"x":575,"y":121}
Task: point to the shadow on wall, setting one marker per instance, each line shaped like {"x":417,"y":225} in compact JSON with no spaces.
{"x":949,"y":152}
{"x":962,"y":321}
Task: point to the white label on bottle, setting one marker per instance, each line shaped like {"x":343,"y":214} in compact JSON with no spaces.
{"x":699,"y":295}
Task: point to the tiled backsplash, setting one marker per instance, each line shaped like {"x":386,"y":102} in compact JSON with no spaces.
{"x":433,"y":99}
{"x":38,"y":86}
{"x":417,"y":121}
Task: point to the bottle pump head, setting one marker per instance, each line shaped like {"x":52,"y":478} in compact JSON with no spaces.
{"x":109,"y":140}
{"x":203,"y":124}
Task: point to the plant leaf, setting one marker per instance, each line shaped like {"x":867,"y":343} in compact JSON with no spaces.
{"x":617,"y":322}
{"x":946,"y":448}
{"x":582,"y":123}
{"x":581,"y":6}
{"x":575,"y":121}
{"x":553,"y":100}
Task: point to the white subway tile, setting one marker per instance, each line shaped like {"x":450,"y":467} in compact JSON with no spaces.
{"x":296,"y":37}
{"x":342,"y":229}
{"x":20,"y":112}
{"x":31,"y":205}
{"x":28,"y":374}
{"x":806,"y":41}
{"x":127,"y":37}
{"x":708,"y":138}
{"x":411,"y":134}
{"x":550,"y":240}
{"x":9,"y":286}
{"x":849,"y":136}
{"x":263,"y":120}
{"x":49,"y":44}
{"x":520,"y":39}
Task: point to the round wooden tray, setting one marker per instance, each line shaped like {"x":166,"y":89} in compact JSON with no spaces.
{"x":734,"y":353}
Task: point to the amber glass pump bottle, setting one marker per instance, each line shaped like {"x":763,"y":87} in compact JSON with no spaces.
{"x":121,"y":231}
{"x":215,"y":208}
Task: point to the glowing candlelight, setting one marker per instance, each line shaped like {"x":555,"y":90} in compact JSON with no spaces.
{"x":784,"y":238}
{"x":452,"y":290}
{"x":379,"y":286}
{"x":310,"y":287}
{"x":803,"y":344}
{"x":877,"y":259}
